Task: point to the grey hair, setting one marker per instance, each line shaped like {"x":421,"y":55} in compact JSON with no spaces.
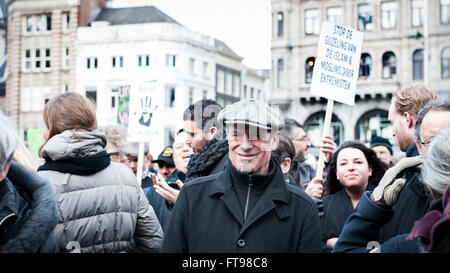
{"x":9,"y":140}
{"x":437,"y":105}
{"x":116,"y":134}
{"x":436,"y":166}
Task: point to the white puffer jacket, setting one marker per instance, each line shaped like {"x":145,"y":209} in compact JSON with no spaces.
{"x":103,"y":212}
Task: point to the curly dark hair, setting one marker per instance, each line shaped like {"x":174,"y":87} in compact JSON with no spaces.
{"x":332,"y":184}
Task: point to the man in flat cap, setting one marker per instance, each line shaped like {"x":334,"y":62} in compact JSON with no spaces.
{"x":247,"y":207}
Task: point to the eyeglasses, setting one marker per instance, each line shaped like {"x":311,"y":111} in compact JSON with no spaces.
{"x":426,"y":143}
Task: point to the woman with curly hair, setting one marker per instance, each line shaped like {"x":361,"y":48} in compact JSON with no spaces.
{"x":353,"y":169}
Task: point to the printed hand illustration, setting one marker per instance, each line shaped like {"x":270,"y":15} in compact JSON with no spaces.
{"x":147,"y":111}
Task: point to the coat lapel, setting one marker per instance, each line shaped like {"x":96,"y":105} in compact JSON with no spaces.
{"x":222,"y":187}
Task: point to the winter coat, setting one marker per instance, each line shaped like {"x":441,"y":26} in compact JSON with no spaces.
{"x":100,"y":211}
{"x":362,"y":231}
{"x":210,"y":160}
{"x":302,"y":175}
{"x":412,"y":204}
{"x":337,"y":207}
{"x":163,"y":209}
{"x":28,"y":213}
{"x":209,"y":217}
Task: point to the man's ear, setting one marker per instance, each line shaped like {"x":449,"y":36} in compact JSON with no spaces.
{"x":409,"y":119}
{"x":211,"y":132}
{"x":5,"y":171}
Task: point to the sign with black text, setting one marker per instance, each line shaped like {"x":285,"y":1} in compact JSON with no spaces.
{"x":336,"y":69}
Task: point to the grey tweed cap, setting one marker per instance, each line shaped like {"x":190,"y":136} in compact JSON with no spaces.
{"x":252,"y":112}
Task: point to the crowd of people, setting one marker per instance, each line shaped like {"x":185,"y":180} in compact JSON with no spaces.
{"x":237,"y":179}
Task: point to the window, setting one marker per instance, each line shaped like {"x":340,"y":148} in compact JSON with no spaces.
{"x":170,"y":96}
{"x":205,"y":94}
{"x":91,"y":63}
{"x":445,"y":63}
{"x":418,"y":64}
{"x":191,"y":95}
{"x":389,"y":65}
{"x":29,"y":24}
{"x":312,"y":21}
{"x":309,"y":67}
{"x":170,"y":60}
{"x":91,"y":94}
{"x":27,"y":60}
{"x":117,"y":61}
{"x":388,"y":15}
{"x":38,"y":23}
{"x":220,"y":81}
{"x":47,"y":58}
{"x":365,"y":15}
{"x":280,"y":74}
{"x":365,"y":66}
{"x":236,"y":84}
{"x":280,"y":22}
{"x":245,"y":91}
{"x":65,"y":58}
{"x":334,"y":15}
{"x":259,"y":94}
{"x":445,"y":12}
{"x":143,"y":60}
{"x":66,"y":22}
{"x":252,"y":95}
{"x":37,"y":59}
{"x":417,"y":13}
{"x":228,"y":83}
{"x":192,"y":65}
{"x":205,"y":69}
{"x":48,"y":22}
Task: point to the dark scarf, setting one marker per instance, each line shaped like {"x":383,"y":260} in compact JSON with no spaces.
{"x":208,"y":157}
{"x":79,"y":166}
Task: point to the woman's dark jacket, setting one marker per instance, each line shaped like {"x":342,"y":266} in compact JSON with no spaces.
{"x":28,"y":213}
{"x":209,"y":217}
{"x":337,"y":208}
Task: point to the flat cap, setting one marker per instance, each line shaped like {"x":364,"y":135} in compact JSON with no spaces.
{"x":132,"y":149}
{"x":252,"y":112}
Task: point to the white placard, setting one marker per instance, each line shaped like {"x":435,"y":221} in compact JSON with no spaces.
{"x":336,"y":69}
{"x":143,"y":112}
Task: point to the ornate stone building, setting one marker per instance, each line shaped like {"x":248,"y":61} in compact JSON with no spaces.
{"x":396,"y":35}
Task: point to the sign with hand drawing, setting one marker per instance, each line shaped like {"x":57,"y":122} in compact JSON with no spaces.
{"x":143,"y":110}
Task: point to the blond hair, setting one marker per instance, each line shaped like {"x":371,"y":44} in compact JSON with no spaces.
{"x":412,"y":98}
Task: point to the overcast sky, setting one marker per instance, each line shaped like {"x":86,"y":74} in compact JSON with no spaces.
{"x":244,"y":25}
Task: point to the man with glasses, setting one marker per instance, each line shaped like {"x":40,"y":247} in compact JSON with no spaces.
{"x":414,"y":200}
{"x":247,"y":207}
{"x":302,"y":173}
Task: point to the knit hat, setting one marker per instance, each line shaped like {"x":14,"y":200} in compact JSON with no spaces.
{"x":377,"y":141}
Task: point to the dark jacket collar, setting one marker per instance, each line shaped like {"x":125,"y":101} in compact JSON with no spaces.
{"x":273,"y":181}
{"x":8,"y":205}
{"x":412,"y":150}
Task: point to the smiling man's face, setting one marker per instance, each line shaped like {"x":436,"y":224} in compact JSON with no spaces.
{"x":250,"y":148}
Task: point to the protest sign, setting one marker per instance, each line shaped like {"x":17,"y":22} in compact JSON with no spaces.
{"x":35,"y":138}
{"x":123,"y":105}
{"x":142,"y":111}
{"x":336,"y":71}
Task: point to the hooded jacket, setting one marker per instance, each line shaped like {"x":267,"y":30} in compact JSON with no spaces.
{"x":99,"y":211}
{"x":28,"y":213}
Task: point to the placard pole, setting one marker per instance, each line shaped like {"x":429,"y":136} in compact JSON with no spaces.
{"x":326,"y":131}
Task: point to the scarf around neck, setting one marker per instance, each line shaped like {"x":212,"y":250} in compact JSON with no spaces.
{"x":80,"y":166}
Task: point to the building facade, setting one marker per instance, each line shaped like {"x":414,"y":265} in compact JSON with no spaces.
{"x":41,"y":39}
{"x":396,"y":34}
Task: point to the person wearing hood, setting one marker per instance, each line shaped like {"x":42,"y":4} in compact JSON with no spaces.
{"x":101,"y":205}
{"x":248,"y":207}
{"x":28,"y":211}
